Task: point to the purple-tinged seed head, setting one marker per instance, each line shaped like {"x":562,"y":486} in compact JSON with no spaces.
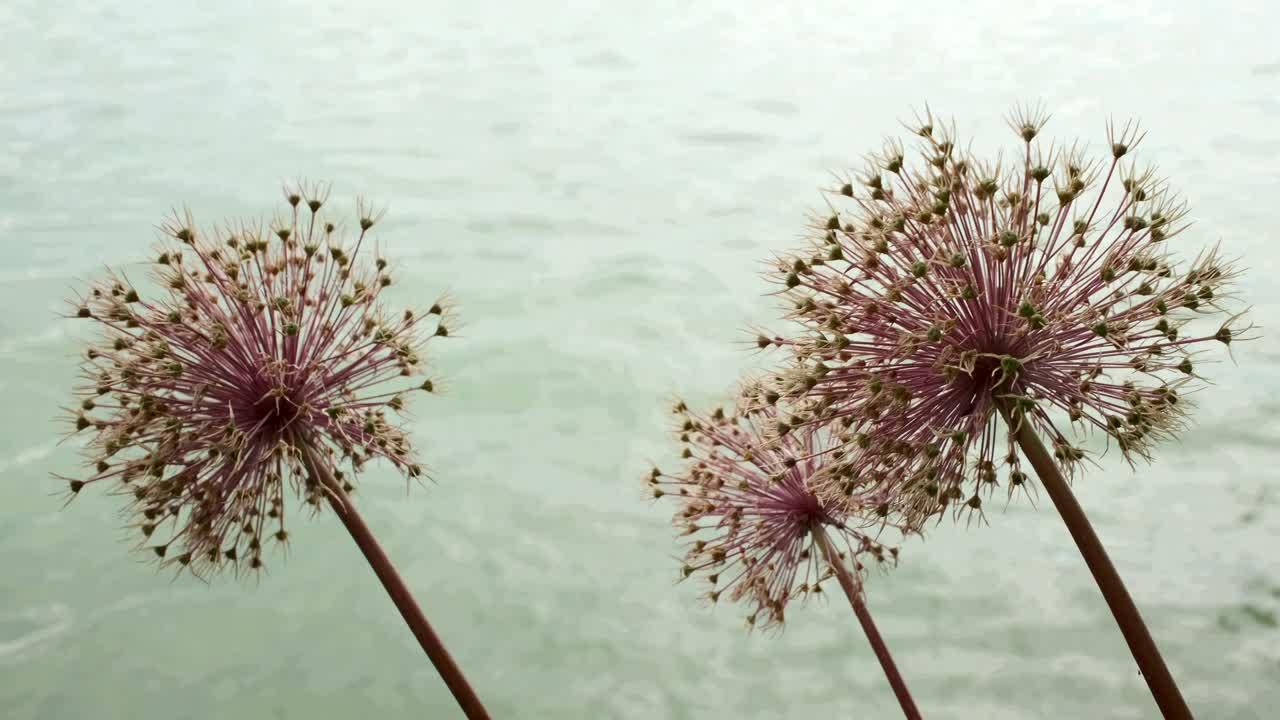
{"x":935,"y":288}
{"x":201,"y":393}
{"x":748,"y":509}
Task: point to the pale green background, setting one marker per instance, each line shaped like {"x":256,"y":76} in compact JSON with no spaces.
{"x":598,"y":184}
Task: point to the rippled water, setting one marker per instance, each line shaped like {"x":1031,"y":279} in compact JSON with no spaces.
{"x":598,"y":186}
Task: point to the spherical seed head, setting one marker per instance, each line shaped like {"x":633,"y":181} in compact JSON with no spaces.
{"x":1045,"y":283}
{"x":747,"y":506}
{"x":205,"y":394}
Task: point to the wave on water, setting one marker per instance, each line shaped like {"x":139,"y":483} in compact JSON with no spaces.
{"x":26,"y":457}
{"x":30,"y":628}
{"x":47,"y":336}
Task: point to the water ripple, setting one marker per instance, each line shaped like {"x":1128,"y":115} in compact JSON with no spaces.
{"x":30,"y":629}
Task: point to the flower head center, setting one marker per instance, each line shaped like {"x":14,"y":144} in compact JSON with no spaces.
{"x":797,"y":503}
{"x":274,"y":412}
{"x":274,"y":399}
{"x":986,"y":370}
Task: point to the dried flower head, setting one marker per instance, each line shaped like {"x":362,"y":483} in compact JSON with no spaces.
{"x":750,"y":514}
{"x":937,"y":289}
{"x":201,"y":395}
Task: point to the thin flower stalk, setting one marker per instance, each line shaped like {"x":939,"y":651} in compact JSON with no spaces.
{"x":1143,"y":647}
{"x":852,"y":591}
{"x":395,"y":586}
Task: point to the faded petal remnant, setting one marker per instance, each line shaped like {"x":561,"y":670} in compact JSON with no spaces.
{"x":256,"y":343}
{"x":938,"y":289}
{"x":748,"y":509}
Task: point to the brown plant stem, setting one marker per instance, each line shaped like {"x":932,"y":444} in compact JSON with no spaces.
{"x":868,"y":625}
{"x":396,"y":588}
{"x":1150,"y":664}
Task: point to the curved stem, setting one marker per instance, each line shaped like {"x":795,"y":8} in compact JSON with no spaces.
{"x":1150,"y":664}
{"x":396,"y":588}
{"x":868,"y":625}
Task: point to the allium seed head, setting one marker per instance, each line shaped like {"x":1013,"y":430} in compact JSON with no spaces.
{"x":1045,"y":284}
{"x":205,"y":393}
{"x":748,"y":508}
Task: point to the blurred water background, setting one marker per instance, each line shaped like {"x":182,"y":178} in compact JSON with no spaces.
{"x":598,"y":183}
